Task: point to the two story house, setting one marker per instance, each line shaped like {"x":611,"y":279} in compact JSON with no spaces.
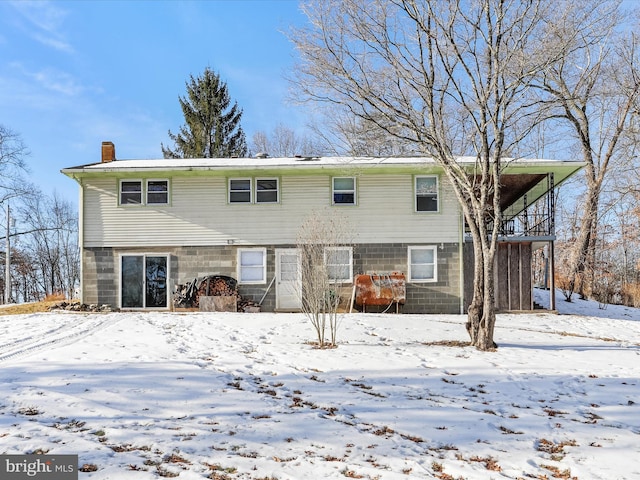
{"x":149,"y":225}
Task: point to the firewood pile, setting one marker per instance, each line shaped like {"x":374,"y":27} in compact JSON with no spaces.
{"x":188,"y":295}
{"x":248,"y":306}
{"x":218,"y":286}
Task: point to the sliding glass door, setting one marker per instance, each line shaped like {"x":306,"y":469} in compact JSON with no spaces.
{"x":143,"y":281}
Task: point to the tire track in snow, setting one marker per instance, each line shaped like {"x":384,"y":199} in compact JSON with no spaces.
{"x":62,"y":336}
{"x":35,"y":337}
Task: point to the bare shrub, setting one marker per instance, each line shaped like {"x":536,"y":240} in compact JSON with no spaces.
{"x":323,"y":246}
{"x":631,"y":295}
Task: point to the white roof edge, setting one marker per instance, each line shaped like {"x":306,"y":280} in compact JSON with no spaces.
{"x":242,"y":163}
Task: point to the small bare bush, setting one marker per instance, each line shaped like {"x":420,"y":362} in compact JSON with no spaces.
{"x":631,"y":295}
{"x":321,"y":243}
{"x":55,"y":297}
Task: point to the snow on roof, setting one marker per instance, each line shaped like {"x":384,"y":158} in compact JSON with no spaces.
{"x":278,"y":162}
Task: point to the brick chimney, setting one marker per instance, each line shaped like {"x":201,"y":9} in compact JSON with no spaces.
{"x":108,"y":152}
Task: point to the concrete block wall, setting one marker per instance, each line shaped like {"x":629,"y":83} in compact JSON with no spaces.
{"x":98,"y":277}
{"x":101,"y":272}
{"x":442,"y":296}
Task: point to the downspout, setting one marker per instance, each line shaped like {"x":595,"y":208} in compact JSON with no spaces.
{"x":81,"y":237}
{"x":461,"y":256}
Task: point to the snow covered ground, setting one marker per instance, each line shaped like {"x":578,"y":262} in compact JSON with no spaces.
{"x":245,"y":396}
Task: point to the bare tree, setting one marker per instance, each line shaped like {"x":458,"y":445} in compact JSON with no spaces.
{"x":50,"y":240}
{"x":12,"y":164}
{"x":25,"y":276}
{"x":447,"y":77}
{"x":285,"y":142}
{"x":345,"y":134}
{"x":616,"y":265}
{"x":45,"y":257}
{"x":593,"y":91}
{"x":321,"y":241}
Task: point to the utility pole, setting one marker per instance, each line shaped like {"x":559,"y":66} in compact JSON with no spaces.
{"x":7,"y":260}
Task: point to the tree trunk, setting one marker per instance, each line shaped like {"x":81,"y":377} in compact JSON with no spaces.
{"x":481,"y":315}
{"x":584,"y":243}
{"x":484,"y":337}
{"x":476,"y":307}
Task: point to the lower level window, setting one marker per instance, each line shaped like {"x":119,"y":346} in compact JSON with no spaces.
{"x":423,"y":262}
{"x":252,"y":265}
{"x":143,"y":281}
{"x":339,"y":262}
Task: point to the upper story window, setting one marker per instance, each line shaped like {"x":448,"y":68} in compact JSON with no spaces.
{"x":240,"y":190}
{"x":423,"y":264}
{"x":426,"y":193}
{"x":157,"y":192}
{"x":247,"y":190}
{"x":339,"y":262}
{"x":266,"y":190}
{"x":149,"y":192}
{"x":131,"y":192}
{"x":344,"y":190}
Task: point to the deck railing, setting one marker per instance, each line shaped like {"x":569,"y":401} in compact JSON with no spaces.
{"x":532,"y":225}
{"x":533,"y":214}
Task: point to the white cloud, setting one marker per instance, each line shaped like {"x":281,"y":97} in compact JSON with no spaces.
{"x":38,"y":82}
{"x":58,"y":81}
{"x":44,"y":22}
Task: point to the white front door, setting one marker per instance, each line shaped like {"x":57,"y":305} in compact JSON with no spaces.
{"x":288,"y":280}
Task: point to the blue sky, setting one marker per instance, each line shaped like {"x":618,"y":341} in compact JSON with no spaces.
{"x":76,"y":73}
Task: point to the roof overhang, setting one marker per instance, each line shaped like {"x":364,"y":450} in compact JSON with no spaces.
{"x":313,"y":165}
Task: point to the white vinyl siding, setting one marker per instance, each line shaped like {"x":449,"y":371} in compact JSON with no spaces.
{"x":199,"y":213}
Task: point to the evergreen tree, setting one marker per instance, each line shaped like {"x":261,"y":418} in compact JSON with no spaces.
{"x":212,"y":127}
